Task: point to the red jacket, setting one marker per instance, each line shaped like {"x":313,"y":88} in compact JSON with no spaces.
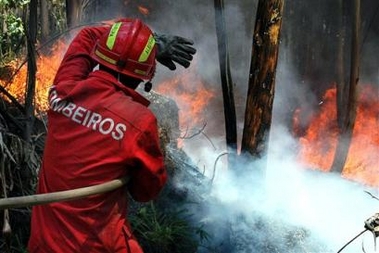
{"x":98,"y":130}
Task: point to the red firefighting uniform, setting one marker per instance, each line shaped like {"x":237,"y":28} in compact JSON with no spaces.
{"x":98,"y":130}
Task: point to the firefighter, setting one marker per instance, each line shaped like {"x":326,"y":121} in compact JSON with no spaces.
{"x":100,"y":129}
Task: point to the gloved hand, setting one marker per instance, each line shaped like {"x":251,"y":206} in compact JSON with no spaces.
{"x":174,"y":49}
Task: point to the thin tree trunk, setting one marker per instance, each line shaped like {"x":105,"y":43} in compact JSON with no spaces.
{"x":226,"y":79}
{"x":346,"y":133}
{"x":341,"y":82}
{"x":32,"y":69}
{"x":73,"y":12}
{"x":261,"y":89}
{"x":44,"y":20}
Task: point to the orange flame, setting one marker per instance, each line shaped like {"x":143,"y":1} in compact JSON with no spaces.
{"x":318,"y":145}
{"x":143,"y":10}
{"x":191,"y":95}
{"x":187,"y":90}
{"x":46,"y":69}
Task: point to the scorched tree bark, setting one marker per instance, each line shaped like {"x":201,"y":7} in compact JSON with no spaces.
{"x":261,"y":89}
{"x":226,"y":78}
{"x":32,"y":69}
{"x":349,"y":115}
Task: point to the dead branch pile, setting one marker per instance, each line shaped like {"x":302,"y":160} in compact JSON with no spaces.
{"x":19,"y":163}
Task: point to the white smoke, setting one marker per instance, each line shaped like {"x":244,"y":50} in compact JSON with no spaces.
{"x":263,"y":213}
{"x":291,"y":198}
{"x":332,"y":210}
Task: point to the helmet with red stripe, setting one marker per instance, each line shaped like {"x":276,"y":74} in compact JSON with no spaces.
{"x":129,"y":48}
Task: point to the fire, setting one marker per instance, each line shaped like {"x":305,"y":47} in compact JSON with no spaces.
{"x":46,"y":69}
{"x":318,"y":145}
{"x":143,"y":10}
{"x":186,"y":89}
{"x":191,"y":95}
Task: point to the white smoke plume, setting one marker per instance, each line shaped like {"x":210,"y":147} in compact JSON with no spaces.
{"x":290,"y":209}
{"x":293,"y":209}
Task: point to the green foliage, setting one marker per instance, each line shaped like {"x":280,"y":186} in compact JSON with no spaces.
{"x":11,"y":26}
{"x":15,"y":29}
{"x":166,"y":232}
{"x":58,"y":15}
{"x":13,"y":3}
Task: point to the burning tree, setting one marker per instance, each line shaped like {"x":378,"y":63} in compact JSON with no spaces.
{"x":347,"y":108}
{"x":226,"y":80}
{"x":261,"y":91}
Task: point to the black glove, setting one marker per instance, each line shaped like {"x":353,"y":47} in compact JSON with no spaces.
{"x":174,"y":49}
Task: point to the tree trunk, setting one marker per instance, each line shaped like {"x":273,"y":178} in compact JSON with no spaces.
{"x":32,"y":69}
{"x":45,"y":24}
{"x":261,"y":89}
{"x":73,"y":12}
{"x":226,"y":80}
{"x":341,"y":82}
{"x":346,"y":132}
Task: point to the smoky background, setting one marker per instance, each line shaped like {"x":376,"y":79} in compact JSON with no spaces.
{"x":261,"y":215}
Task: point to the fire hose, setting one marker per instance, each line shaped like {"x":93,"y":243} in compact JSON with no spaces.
{"x":59,"y":196}
{"x":371,"y":224}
